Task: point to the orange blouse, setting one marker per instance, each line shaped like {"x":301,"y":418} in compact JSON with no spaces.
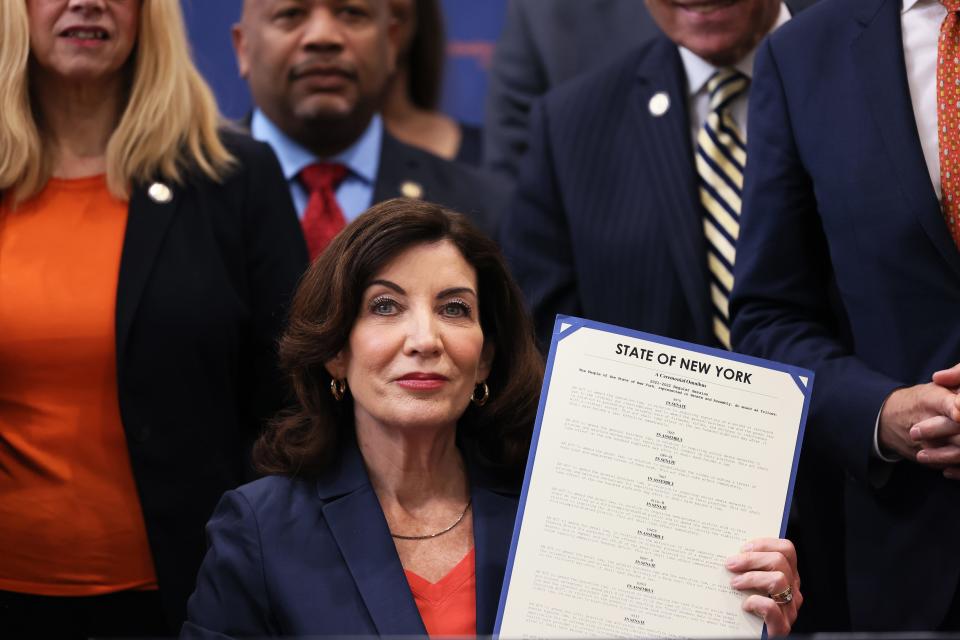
{"x":449,"y":606}
{"x":70,"y":517}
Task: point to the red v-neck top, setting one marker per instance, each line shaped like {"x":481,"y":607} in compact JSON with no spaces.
{"x":449,"y":606}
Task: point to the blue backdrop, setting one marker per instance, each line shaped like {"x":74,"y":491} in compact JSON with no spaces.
{"x":472,"y":30}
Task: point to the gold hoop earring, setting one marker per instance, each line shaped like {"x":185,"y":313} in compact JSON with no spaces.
{"x":484,"y":394}
{"x":338,"y":388}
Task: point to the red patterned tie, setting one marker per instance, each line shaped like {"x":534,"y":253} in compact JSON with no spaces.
{"x":323,"y":218}
{"x":948,"y":108}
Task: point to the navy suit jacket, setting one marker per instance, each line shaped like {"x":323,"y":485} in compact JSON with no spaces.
{"x":606,"y":222}
{"x":542,"y":45}
{"x":469,"y":190}
{"x":838,"y":195}
{"x":294,"y":557}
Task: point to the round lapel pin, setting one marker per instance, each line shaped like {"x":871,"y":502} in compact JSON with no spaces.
{"x":160,"y":193}
{"x":659,"y":104}
{"x":411,"y":189}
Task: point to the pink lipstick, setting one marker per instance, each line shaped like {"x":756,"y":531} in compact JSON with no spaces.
{"x":419,"y":381}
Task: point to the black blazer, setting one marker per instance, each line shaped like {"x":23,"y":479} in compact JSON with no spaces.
{"x":461,"y":188}
{"x":204,"y":281}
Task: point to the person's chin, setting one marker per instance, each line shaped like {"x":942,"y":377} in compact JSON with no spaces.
{"x":427,"y":410}
{"x":84,"y":71}
{"x":710,"y":12}
{"x":326,"y":107}
{"x":720,"y":49}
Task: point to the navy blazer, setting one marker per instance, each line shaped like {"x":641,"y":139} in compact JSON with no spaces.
{"x":294,"y":557}
{"x":838,"y":193}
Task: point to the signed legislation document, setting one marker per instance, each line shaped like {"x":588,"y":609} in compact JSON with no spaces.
{"x":653,"y":460}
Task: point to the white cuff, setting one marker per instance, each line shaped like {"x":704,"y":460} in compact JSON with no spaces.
{"x":877,"y":453}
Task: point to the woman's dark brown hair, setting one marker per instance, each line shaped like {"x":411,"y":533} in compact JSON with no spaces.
{"x":326,"y":305}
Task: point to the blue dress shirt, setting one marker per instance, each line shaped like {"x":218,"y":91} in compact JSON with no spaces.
{"x":355,"y":193}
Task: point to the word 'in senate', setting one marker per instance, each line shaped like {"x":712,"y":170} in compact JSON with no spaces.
{"x":689,"y":364}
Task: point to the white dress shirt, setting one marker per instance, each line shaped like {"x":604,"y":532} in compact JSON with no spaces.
{"x":362,"y":158}
{"x":698,"y":71}
{"x":920,"y":22}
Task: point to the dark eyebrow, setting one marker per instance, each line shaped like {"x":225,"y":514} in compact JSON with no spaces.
{"x":446,"y":293}
{"x":388,"y":285}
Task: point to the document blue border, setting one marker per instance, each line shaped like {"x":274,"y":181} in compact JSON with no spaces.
{"x":576,"y":324}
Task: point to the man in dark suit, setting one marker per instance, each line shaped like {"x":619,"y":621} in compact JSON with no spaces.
{"x":846,"y":230}
{"x":623,"y":211}
{"x":542,"y":45}
{"x":608,"y":221}
{"x":318,"y":72}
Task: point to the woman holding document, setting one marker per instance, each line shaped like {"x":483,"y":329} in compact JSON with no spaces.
{"x":396,"y":481}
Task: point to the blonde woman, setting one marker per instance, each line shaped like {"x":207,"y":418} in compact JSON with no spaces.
{"x":145,"y":260}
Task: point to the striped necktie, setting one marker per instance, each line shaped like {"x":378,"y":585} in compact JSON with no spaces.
{"x":721,"y":156}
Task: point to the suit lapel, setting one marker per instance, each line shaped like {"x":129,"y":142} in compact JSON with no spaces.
{"x":881,"y":71}
{"x":360,"y":530}
{"x":356,"y":521}
{"x":670,"y":151}
{"x":494,"y":514}
{"x":796,"y":6}
{"x":397,"y":167}
{"x":147,"y":222}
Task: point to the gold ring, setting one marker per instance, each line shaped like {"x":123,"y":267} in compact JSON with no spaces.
{"x":784,"y":597}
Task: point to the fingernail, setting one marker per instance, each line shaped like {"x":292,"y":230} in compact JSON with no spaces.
{"x":730,"y":562}
{"x":736,"y":581}
{"x":747,"y":547}
{"x":922,"y":456}
{"x":915,"y":433}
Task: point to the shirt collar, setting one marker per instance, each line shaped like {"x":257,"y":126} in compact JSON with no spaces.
{"x":699,"y":70}
{"x":362,"y":158}
{"x":910,"y":4}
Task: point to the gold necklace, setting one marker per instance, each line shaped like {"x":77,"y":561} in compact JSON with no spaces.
{"x":438,"y":533}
